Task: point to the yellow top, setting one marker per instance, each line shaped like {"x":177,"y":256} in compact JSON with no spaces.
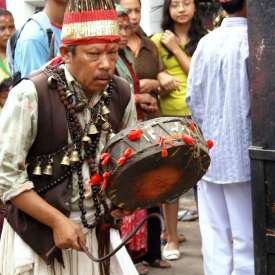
{"x":4,"y":69}
{"x":174,"y":103}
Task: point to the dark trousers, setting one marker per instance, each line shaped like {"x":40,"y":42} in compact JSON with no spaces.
{"x":153,"y":241}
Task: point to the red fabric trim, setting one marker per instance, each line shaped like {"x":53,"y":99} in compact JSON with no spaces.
{"x":140,"y":113}
{"x":57,"y":60}
{"x":91,"y":40}
{"x":86,"y":16}
{"x":56,"y":25}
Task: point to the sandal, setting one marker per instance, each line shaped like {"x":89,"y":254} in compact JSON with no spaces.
{"x":170,"y":255}
{"x":187,"y":215}
{"x":158,"y":263}
{"x":141,"y":269}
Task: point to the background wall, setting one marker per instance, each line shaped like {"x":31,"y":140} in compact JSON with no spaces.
{"x":22,"y":9}
{"x":151,"y":15}
{"x":151,"y":12}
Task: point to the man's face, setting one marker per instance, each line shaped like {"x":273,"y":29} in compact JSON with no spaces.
{"x":7,"y":28}
{"x":92,"y":65}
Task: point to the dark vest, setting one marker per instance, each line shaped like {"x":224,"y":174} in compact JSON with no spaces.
{"x":51,"y":136}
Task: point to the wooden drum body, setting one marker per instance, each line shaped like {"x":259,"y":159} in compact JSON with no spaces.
{"x":156,"y":161}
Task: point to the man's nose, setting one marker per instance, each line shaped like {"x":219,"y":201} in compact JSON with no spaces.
{"x":105,"y":62}
{"x":123,"y":32}
{"x":7,"y":32}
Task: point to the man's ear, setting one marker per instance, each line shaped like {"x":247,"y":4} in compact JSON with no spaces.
{"x":66,"y":54}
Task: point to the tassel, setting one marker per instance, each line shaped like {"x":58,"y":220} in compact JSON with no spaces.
{"x":103,"y":240}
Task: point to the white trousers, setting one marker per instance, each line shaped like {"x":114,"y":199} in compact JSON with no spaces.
{"x":17,"y":258}
{"x":225,"y":217}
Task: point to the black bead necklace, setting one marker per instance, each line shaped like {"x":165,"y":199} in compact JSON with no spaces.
{"x":100,"y":122}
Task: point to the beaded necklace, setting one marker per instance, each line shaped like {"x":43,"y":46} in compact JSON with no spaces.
{"x":85,"y":139}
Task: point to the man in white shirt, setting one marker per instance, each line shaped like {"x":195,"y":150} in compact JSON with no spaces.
{"x":218,"y":97}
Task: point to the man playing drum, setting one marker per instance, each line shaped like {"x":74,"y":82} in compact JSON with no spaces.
{"x":53,"y":128}
{"x":219,"y":100}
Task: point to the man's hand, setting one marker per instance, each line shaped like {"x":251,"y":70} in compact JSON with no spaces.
{"x":67,"y":234}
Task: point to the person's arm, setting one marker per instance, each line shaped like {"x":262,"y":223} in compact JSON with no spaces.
{"x":66,"y":233}
{"x":167,"y":83}
{"x":31,"y":55}
{"x":169,"y":40}
{"x":148,"y":85}
{"x":18,"y":130}
{"x":148,"y":103}
{"x":195,"y":86}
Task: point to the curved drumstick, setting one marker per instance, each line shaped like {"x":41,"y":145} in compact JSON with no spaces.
{"x":130,"y":236}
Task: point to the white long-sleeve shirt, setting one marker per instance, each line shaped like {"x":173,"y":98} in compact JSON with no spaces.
{"x":218,"y":96}
{"x":18,"y":129}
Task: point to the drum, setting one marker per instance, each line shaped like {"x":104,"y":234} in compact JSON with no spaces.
{"x":156,"y":161}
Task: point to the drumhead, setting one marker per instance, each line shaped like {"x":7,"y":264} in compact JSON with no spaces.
{"x":147,"y":178}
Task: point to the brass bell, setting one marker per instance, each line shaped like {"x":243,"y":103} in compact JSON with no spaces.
{"x":37,"y":170}
{"x":105,"y":110}
{"x":48,"y":169}
{"x":65,"y":160}
{"x":51,"y":82}
{"x":74,"y":156}
{"x":86,"y":139}
{"x":92,"y":130}
{"x":105,"y":126}
{"x":105,"y":94}
{"x":69,"y":93}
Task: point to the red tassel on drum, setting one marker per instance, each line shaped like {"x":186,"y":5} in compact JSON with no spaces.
{"x":95,"y":179}
{"x":188,"y":139}
{"x":164,"y":152}
{"x":121,"y":161}
{"x":128,"y":153}
{"x":192,"y":126}
{"x":104,"y":155}
{"x":135,"y":134}
{"x":210,"y":143}
{"x":106,"y":160}
{"x":106,"y":175}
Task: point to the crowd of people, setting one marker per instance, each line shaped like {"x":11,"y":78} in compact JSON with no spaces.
{"x":58,"y":72}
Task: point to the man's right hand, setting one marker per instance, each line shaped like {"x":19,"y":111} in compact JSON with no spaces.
{"x":67,"y":234}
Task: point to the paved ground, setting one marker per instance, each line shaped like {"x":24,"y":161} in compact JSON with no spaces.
{"x":191,"y":259}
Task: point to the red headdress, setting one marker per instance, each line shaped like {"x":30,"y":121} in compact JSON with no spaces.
{"x":89,"y":21}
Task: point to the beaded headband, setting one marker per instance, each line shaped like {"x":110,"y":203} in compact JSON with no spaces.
{"x":90,"y":21}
